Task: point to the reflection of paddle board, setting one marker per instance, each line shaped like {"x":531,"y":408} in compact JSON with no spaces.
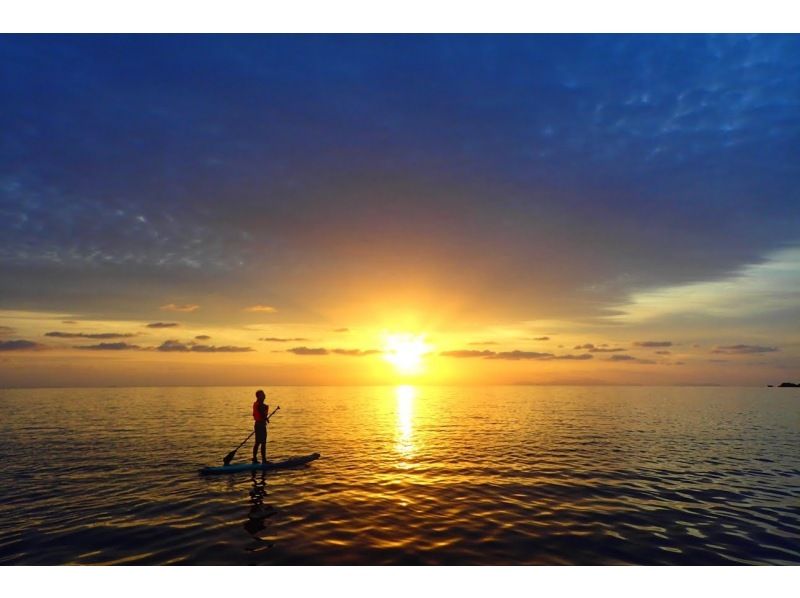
{"x":237,"y":467}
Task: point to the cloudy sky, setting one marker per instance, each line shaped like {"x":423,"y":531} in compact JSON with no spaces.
{"x":267,"y":209}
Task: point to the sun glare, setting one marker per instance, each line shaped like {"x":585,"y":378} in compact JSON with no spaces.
{"x":406,"y":352}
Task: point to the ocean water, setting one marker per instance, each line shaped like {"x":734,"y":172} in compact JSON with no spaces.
{"x":408,"y":475}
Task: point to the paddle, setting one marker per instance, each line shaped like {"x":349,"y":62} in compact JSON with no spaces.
{"x":229,"y":457}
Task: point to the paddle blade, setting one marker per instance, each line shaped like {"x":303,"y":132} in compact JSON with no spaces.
{"x":229,"y":457}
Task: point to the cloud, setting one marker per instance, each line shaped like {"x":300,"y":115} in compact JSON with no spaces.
{"x":5,"y":330}
{"x":308,"y":351}
{"x":99,"y":335}
{"x":162,"y":325}
{"x":356,"y":352}
{"x":222,"y":349}
{"x":187,"y":307}
{"x":202,"y":337}
{"x":663,"y":352}
{"x":621,"y":358}
{"x":515,"y":355}
{"x":541,"y":338}
{"x":69,"y":322}
{"x":597,"y":349}
{"x":630,"y":359}
{"x":341,"y":330}
{"x":323,"y":351}
{"x":581,"y":357}
{"x":467,"y":353}
{"x":275,"y":339}
{"x":109,"y":347}
{"x":743,"y":349}
{"x":653,"y":344}
{"x":175,"y":346}
{"x":261,"y":309}
{"x":482,"y":343}
{"x":20,"y":345}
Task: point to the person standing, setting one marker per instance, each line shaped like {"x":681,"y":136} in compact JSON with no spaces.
{"x":261,"y":417}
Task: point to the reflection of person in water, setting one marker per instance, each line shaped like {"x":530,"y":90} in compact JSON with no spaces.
{"x":259,"y":512}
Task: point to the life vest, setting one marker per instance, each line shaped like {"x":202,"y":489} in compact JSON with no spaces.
{"x":257,"y":413}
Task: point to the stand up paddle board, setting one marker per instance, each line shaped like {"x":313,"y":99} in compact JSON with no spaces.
{"x":269,"y":465}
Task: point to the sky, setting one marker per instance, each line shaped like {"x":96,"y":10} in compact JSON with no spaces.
{"x":279,"y":209}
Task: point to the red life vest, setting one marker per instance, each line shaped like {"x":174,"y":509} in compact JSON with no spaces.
{"x":258,"y":415}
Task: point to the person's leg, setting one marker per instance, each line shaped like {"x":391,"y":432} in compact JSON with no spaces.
{"x":264,"y":451}
{"x":255,"y":450}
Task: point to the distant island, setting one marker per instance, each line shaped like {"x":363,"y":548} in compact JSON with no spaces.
{"x":785,"y":385}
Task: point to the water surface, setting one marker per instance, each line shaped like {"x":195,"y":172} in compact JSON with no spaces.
{"x":499,"y":475}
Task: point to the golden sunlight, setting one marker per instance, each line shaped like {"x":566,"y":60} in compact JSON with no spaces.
{"x":405,"y":396}
{"x":406,"y":351}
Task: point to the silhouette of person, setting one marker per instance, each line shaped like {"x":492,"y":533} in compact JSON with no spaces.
{"x":260,"y":415}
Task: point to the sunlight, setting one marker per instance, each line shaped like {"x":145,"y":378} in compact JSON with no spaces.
{"x":405,"y":396}
{"x":406,"y":351}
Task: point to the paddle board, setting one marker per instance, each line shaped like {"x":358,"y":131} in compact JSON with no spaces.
{"x":269,"y":465}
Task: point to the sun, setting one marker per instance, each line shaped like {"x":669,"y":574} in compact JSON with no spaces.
{"x":405,"y":352}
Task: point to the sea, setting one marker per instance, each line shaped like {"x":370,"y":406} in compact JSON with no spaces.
{"x":408,"y":475}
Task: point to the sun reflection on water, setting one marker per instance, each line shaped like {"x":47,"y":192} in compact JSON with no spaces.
{"x":405,"y":396}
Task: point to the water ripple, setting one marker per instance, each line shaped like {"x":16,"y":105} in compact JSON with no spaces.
{"x":514,"y":475}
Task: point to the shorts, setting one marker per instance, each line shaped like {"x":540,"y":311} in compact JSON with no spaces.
{"x":261,"y":432}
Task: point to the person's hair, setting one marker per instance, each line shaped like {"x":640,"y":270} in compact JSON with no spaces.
{"x":260,"y":394}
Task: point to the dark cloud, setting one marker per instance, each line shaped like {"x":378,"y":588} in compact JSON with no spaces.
{"x":482,"y":343}
{"x":308,"y":351}
{"x":202,"y":337}
{"x":467,"y":353}
{"x":6,"y":330}
{"x":518,"y":355}
{"x":663,"y":352}
{"x":163,"y":325}
{"x":173,"y":345}
{"x":20,"y":345}
{"x":631,"y":359}
{"x":69,"y":322}
{"x":222,"y":349}
{"x":110,"y":347}
{"x":355,"y":352}
{"x":582,"y":357}
{"x":178,"y":347}
{"x":541,"y":338}
{"x":621,"y":358}
{"x":653,"y":344}
{"x":341,"y":330}
{"x":515,"y":355}
{"x":99,"y":335}
{"x":743,"y":349}
{"x":275,"y":339}
{"x":323,"y":351}
{"x":598,"y":348}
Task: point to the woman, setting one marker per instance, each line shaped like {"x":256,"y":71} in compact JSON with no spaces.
{"x":260,"y":411}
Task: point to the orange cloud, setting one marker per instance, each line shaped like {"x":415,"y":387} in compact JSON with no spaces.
{"x":261,"y":309}
{"x":187,"y":307}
